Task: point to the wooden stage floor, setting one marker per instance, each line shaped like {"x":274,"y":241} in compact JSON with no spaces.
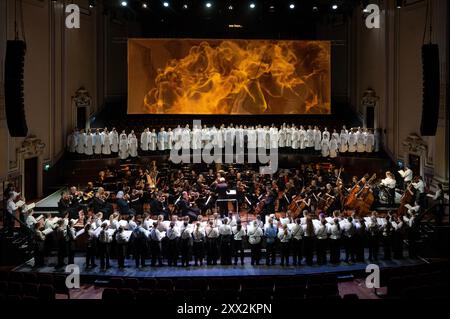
{"x":246,"y":270}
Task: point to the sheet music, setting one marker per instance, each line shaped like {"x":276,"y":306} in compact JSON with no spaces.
{"x":20,"y":203}
{"x":30,"y":206}
{"x":39,"y":218}
{"x":123,"y":223}
{"x":80,"y":232}
{"x":47,"y":231}
{"x":127,"y":234}
{"x":111,"y":231}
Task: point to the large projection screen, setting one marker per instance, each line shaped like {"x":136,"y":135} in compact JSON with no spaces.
{"x":217,"y":76}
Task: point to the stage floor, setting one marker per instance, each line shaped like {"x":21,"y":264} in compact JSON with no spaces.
{"x":247,"y":269}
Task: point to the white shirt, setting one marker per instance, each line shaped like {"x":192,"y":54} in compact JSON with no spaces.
{"x":297,"y":231}
{"x":406,"y":174}
{"x":238,"y":235}
{"x":389,"y":182}
{"x":254,"y":235}
{"x":284,"y":237}
{"x":420,"y":186}
{"x":225,"y":230}
{"x":172,"y":233}
{"x":11,"y":207}
{"x":335,"y":232}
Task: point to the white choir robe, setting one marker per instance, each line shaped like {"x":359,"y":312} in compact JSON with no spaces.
{"x":302,"y":138}
{"x":288,"y":137}
{"x":326,"y":135}
{"x":282,"y":138}
{"x":343,"y":145}
{"x":186,"y":139}
{"x":206,"y":137}
{"x":97,"y":143}
{"x":228,"y":137}
{"x":333,"y":148}
{"x":335,"y":136}
{"x":310,"y":138}
{"x":71,"y":143}
{"x":325,"y":146}
{"x":317,"y":139}
{"x":213,"y":137}
{"x":80,"y":143}
{"x":370,"y":143}
{"x":267,"y":138}
{"x":89,"y":144}
{"x":169,"y":142}
{"x":123,"y":147}
{"x":161,"y":140}
{"x":144,"y":141}
{"x":106,"y":144}
{"x":152,"y":142}
{"x":261,"y":138}
{"x":114,"y":138}
{"x":273,"y":138}
{"x":240,"y":140}
{"x":351,"y":143}
{"x":196,"y":139}
{"x":133,"y":146}
{"x":177,"y":135}
{"x":252,"y":139}
{"x":219,"y":137}
{"x":360,"y":144}
{"x":377,"y":141}
{"x":295,"y":139}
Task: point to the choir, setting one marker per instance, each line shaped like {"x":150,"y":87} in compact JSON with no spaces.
{"x":328,"y":144}
{"x":179,"y":242}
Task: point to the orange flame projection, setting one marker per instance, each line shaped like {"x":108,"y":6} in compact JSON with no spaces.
{"x":240,"y":77}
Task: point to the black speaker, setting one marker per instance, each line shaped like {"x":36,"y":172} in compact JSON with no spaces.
{"x":431,"y":90}
{"x":14,"y":99}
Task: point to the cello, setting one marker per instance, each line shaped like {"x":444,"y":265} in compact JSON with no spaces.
{"x":351,"y":198}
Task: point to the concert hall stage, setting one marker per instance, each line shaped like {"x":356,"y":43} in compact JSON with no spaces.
{"x":247,"y":270}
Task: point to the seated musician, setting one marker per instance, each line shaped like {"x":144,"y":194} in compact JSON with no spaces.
{"x":123,"y":205}
{"x":99,"y":203}
{"x":158,"y":206}
{"x":389,"y":182}
{"x":186,"y":208}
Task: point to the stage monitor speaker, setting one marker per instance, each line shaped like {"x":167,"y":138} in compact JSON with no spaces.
{"x":431,"y":90}
{"x":14,"y":98}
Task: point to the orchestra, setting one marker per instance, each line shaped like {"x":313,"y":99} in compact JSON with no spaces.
{"x":297,"y":213}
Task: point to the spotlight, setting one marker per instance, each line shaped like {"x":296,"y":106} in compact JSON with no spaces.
{"x":252,"y":5}
{"x":124,"y":3}
{"x":334,"y":6}
{"x":292,"y":6}
{"x":208,"y":4}
{"x":165,"y":4}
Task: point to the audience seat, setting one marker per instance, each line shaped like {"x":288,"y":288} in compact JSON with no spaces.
{"x":110,"y":294}
{"x":46,"y":292}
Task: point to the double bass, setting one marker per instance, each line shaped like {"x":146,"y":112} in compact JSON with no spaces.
{"x":365,"y":198}
{"x":407,"y":198}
